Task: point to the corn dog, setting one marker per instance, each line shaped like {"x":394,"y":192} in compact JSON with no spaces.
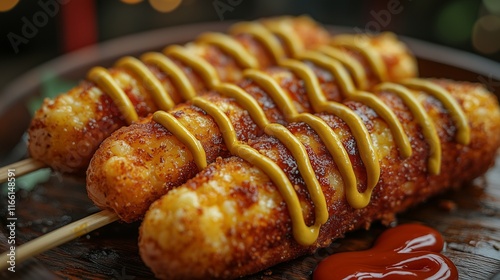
{"x":235,"y":219}
{"x":65,"y":132}
{"x":125,"y":174}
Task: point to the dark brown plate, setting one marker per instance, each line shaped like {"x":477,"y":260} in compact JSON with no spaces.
{"x":472,"y":230}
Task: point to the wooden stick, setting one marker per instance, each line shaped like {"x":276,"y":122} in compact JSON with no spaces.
{"x":21,"y":168}
{"x":58,"y":237}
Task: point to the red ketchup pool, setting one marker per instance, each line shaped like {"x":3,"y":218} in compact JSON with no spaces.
{"x":409,"y":251}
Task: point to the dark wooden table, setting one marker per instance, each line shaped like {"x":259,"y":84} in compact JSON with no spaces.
{"x":471,"y":230}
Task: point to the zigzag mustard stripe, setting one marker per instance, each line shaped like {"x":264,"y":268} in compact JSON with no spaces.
{"x":105,"y":81}
{"x":160,"y":96}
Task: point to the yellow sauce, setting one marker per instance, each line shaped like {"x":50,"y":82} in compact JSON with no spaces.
{"x":454,"y":109}
{"x":334,"y":66}
{"x":232,"y":47}
{"x":175,"y":73}
{"x":307,"y":235}
{"x":334,"y":146}
{"x":355,"y":68}
{"x":350,"y":92}
{"x":366,"y":151}
{"x":300,"y":154}
{"x":285,"y":31}
{"x":101,"y":77}
{"x":363,"y":140}
{"x":423,"y":119}
{"x":333,"y":60}
{"x":201,"y":66}
{"x":160,"y":96}
{"x":273,"y":89}
{"x":263,"y":35}
{"x":184,"y":135}
{"x":250,"y":104}
{"x":304,"y":234}
{"x":361,"y":44}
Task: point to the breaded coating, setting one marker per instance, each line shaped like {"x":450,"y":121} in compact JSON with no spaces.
{"x":66,"y":131}
{"x":139,"y":163}
{"x":124,"y":175}
{"x":230,"y":220}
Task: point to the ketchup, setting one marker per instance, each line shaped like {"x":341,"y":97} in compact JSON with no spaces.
{"x":409,"y":251}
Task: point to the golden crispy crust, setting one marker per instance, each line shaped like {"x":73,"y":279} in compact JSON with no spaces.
{"x":147,"y":154}
{"x":66,"y":131}
{"x":116,"y":179}
{"x":230,"y":220}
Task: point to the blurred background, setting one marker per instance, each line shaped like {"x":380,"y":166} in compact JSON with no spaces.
{"x":33,"y":32}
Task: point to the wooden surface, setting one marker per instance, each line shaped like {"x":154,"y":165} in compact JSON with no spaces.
{"x":471,"y":230}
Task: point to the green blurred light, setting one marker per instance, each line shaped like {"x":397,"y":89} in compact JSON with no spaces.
{"x":52,"y":86}
{"x":493,"y":6}
{"x":455,"y":22}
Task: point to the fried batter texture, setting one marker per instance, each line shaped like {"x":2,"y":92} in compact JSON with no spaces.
{"x":139,"y":163}
{"x":66,"y":131}
{"x":230,"y":220}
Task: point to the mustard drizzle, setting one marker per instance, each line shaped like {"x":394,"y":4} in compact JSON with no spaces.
{"x":355,"y":68}
{"x":232,"y":47}
{"x":350,"y":92}
{"x":209,"y":75}
{"x":303,"y":234}
{"x":286,"y":33}
{"x":263,"y":35}
{"x":160,"y":96}
{"x":358,"y":129}
{"x":364,"y":142}
{"x":274,"y":90}
{"x":306,"y":235}
{"x":177,"y":76}
{"x":183,"y":135}
{"x":285,"y":104}
{"x":201,"y":66}
{"x":251,"y":105}
{"x":297,"y":149}
{"x":360,"y":44}
{"x":105,"y":81}
{"x":454,"y":109}
{"x":423,"y":119}
{"x":334,"y":146}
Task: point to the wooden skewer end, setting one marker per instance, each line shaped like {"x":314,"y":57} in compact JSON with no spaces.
{"x":20,"y":168}
{"x":58,"y":237}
